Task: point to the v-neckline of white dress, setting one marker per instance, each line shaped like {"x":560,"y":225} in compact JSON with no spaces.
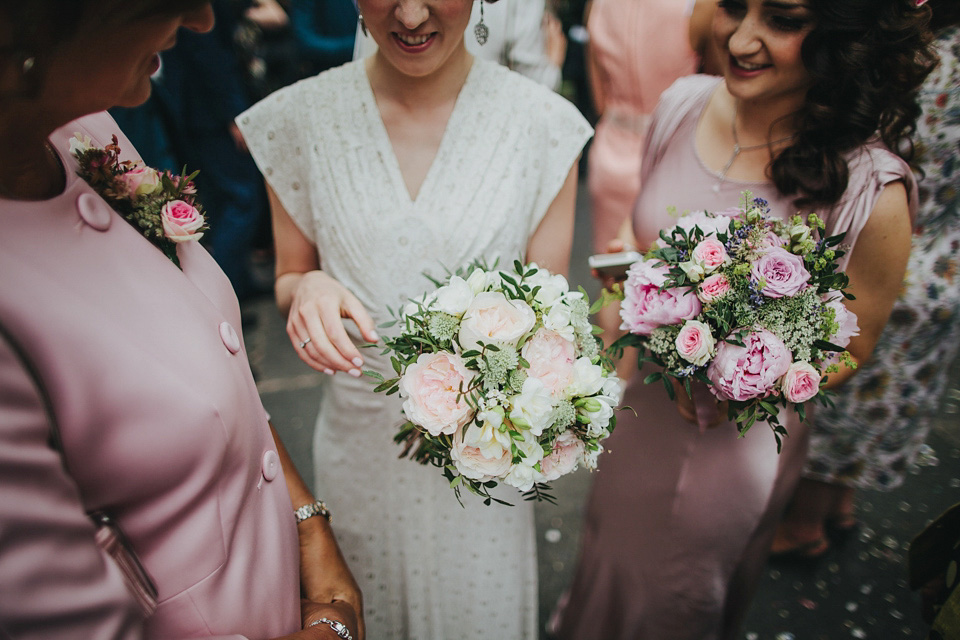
{"x":393,"y":164}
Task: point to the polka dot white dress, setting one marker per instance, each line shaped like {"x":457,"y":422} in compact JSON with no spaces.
{"x":429,"y":569}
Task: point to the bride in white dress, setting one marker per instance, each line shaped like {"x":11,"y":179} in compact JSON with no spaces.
{"x":413,"y":160}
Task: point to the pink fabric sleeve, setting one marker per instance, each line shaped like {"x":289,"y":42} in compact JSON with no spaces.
{"x":54,"y":580}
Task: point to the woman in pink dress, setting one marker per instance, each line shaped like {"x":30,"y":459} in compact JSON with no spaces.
{"x":637,"y":49}
{"x":682,"y":510}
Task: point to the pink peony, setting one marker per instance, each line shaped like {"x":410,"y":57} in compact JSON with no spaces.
{"x":781,"y":273}
{"x":432,"y":386}
{"x":551,"y":358}
{"x":646,"y":308}
{"x":711,"y":254}
{"x":140,"y":181}
{"x":846,"y":320}
{"x":471,"y":458}
{"x":741,"y":373}
{"x":695,"y":343}
{"x":713,"y":288}
{"x":564,"y":458}
{"x":492,"y":319}
{"x":181,"y":221}
{"x":801,"y":382}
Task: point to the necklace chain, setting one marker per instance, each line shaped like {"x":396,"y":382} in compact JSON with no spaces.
{"x":737,"y":149}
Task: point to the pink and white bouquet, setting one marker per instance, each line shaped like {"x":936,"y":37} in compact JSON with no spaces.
{"x":748,"y":304}
{"x":503,"y":380}
{"x":159,"y":204}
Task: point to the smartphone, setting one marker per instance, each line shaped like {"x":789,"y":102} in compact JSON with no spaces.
{"x":613,"y":265}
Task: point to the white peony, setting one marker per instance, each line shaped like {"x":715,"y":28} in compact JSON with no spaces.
{"x":492,"y":319}
{"x":473,"y":463}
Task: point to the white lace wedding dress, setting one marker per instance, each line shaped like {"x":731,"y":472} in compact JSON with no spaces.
{"x":429,"y":569}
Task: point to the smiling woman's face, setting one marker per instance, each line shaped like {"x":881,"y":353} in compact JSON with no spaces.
{"x":417,"y":37}
{"x":760,"y":43}
{"x":109,"y":58}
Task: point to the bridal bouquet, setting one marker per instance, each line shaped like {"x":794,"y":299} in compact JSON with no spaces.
{"x":502,"y":379}
{"x":748,"y":304}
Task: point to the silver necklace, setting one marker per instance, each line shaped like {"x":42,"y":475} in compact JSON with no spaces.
{"x":737,"y":149}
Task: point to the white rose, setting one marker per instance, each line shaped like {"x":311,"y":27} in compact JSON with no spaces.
{"x":587,"y":378}
{"x":492,"y":319}
{"x":532,"y":407}
{"x":455,"y":297}
{"x":478,"y":280}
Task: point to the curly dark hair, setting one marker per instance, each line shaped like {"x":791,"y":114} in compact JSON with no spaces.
{"x":867,"y":60}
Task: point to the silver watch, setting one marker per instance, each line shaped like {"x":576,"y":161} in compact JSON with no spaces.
{"x":339,"y":627}
{"x":309,"y":510}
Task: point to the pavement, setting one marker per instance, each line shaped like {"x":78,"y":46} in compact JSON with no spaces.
{"x":858,"y":590}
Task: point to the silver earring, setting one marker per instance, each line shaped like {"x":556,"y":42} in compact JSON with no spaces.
{"x":481,"y":31}
{"x":27,"y":65}
{"x":363,"y":25}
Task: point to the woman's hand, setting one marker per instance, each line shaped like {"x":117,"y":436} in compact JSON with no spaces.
{"x":315,"y":324}
{"x":325,"y":577}
{"x":555,"y":42}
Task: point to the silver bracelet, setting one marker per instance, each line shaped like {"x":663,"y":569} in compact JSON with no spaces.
{"x":339,"y":627}
{"x":309,"y":510}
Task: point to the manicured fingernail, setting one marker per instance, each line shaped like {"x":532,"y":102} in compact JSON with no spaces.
{"x":329,"y":372}
{"x":354,"y":372}
{"x":374,"y":336}
{"x":357,"y":362}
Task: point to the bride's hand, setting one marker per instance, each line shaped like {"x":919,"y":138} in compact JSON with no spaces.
{"x":315,"y":324}
{"x":687,"y":406}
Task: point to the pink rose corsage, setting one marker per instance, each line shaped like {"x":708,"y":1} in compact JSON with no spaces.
{"x":160,"y":205}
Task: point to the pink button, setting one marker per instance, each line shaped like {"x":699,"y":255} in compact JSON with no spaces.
{"x":271,"y":465}
{"x":94,"y":211}
{"x":230,"y":338}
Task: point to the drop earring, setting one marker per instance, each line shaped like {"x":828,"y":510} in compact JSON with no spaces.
{"x":481,"y":31}
{"x":363,"y":25}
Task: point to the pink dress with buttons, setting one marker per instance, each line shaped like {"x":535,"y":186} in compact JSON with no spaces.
{"x":161,"y":424}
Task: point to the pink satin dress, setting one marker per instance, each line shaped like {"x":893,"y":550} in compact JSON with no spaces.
{"x":680,"y":518}
{"x":640,"y":47}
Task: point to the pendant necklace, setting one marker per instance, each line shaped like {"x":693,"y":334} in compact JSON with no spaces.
{"x":737,"y":149}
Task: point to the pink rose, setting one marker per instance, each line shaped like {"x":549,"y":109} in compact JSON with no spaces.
{"x":751,"y":371}
{"x":713,"y":288}
{"x":695,"y":343}
{"x":140,"y":181}
{"x":492,"y":319}
{"x":846,"y":320}
{"x":181,"y":221}
{"x":645,"y":307}
{"x":479,"y":458}
{"x":800,"y":383}
{"x":711,"y":254}
{"x":551,"y":358}
{"x":564,"y":458}
{"x":780,"y":273}
{"x":432,"y":387}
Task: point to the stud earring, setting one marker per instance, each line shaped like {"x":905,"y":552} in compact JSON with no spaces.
{"x":481,"y":32}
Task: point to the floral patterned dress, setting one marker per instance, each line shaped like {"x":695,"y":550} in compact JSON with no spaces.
{"x":882,"y":415}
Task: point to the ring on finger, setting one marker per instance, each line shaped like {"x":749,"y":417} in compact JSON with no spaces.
{"x":305,"y":343}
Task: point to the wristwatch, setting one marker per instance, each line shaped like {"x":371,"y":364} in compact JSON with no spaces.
{"x":309,"y":510}
{"x":339,"y":627}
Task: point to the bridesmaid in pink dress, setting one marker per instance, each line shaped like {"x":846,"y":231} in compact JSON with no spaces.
{"x":682,"y":511}
{"x":637,"y":49}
